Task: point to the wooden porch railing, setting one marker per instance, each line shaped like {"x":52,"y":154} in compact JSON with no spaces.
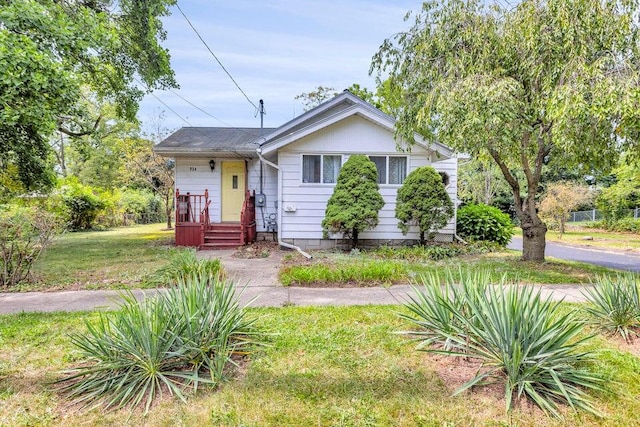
{"x":193,"y":222}
{"x":192,"y":208}
{"x":248,"y":218}
{"x":192,"y":218}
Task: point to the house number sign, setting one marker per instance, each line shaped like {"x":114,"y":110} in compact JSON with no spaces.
{"x":192,"y":168}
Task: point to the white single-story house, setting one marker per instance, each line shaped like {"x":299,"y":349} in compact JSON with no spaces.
{"x":235,"y":183}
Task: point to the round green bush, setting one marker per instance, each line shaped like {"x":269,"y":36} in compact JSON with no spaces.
{"x":484,"y":223}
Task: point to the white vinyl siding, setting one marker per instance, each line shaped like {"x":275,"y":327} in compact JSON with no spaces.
{"x":269,"y":188}
{"x":303,"y":206}
{"x":193,"y":175}
{"x":450,"y":167}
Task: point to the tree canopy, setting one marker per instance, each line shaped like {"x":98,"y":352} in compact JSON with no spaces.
{"x":524,"y":84}
{"x":58,"y":58}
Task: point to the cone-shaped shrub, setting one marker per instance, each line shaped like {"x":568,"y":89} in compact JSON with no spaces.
{"x":423,"y":201}
{"x":353,"y":207}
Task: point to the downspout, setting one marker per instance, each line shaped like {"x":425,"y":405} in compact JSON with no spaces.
{"x":279,"y":216}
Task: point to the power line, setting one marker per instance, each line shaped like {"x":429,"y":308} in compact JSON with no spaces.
{"x":198,"y":108}
{"x":214,"y":55}
{"x":169,"y":108}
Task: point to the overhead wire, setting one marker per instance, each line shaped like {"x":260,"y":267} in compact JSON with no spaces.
{"x":215,"y":57}
{"x":165,"y":104}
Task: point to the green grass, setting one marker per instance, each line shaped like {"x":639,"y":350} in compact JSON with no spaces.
{"x":324,"y":366}
{"x":114,"y":259}
{"x":359,"y":272}
{"x":575,"y":235}
{"x":364,"y":269}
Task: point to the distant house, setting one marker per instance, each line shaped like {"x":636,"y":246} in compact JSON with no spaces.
{"x":232,"y":183}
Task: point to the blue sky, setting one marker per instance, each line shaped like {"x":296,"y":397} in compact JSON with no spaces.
{"x":275,"y":50}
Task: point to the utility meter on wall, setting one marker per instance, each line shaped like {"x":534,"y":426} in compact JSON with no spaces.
{"x":261,"y":200}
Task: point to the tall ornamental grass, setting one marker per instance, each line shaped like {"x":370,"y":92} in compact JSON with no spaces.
{"x":531,"y":345}
{"x":181,"y":339}
{"x":614,"y":304}
{"x":185,"y":264}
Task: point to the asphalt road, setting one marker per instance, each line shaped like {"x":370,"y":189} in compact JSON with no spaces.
{"x":612,"y":259}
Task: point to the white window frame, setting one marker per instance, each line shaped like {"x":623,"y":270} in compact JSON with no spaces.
{"x":387,"y":157}
{"x":322,"y":156}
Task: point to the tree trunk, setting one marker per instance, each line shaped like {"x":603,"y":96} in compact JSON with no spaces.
{"x":354,"y":240}
{"x":421,"y":238}
{"x":533,"y":240}
{"x":168,"y":207}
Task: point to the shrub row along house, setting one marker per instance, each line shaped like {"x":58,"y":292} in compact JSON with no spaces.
{"x":232,"y":183}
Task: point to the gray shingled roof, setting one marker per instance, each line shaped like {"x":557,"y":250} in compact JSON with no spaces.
{"x":212,"y":140}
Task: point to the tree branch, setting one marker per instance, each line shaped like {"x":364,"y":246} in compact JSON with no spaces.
{"x":513,"y":182}
{"x":81,"y":133}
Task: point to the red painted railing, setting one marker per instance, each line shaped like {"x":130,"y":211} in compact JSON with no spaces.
{"x":192,"y":218}
{"x":192,"y":208}
{"x":248,"y":218}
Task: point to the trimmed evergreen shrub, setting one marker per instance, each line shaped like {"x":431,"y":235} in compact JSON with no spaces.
{"x":485,"y":223}
{"x":353,"y":207}
{"x":423,"y":201}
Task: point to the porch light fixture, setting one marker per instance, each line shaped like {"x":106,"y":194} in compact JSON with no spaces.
{"x":212,"y":164}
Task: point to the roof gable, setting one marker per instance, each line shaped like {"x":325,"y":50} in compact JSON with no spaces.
{"x":337,"y":109}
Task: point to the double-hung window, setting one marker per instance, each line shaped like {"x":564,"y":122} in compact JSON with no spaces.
{"x":318,"y":168}
{"x":391,"y":169}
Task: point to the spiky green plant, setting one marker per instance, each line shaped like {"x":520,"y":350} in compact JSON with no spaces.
{"x":530,"y":344}
{"x":182,"y":338}
{"x":185,"y":264}
{"x":432,"y":306}
{"x":615,"y":304}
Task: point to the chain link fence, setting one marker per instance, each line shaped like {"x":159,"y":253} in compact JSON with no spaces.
{"x":596,"y":215}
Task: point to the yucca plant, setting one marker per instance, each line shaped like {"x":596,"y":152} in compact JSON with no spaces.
{"x":615,"y":304}
{"x":530,"y":344}
{"x":185,"y":264}
{"x":182,"y":338}
{"x":434,"y":304}
{"x":211,"y":324}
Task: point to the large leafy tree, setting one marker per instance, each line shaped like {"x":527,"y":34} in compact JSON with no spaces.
{"x":56,"y":57}
{"x":523,"y":84}
{"x":423,"y":201}
{"x":353,"y":207}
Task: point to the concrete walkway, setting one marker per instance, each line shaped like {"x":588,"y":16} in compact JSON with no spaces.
{"x":272,"y":296}
{"x":257,"y":277}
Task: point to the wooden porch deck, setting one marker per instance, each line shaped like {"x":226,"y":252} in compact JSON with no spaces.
{"x":194,"y":227}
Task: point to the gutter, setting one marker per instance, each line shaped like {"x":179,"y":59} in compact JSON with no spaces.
{"x":279,"y":217}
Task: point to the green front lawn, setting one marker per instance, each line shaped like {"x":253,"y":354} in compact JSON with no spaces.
{"x":113,"y":259}
{"x":601,"y":239}
{"x":323,"y":367}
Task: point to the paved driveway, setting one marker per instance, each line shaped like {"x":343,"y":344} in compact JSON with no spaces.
{"x":620,"y":260}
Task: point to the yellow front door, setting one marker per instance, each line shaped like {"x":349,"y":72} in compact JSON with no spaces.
{"x":233,"y":173}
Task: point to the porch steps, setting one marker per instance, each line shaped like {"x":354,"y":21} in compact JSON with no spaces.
{"x":222,"y":236}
